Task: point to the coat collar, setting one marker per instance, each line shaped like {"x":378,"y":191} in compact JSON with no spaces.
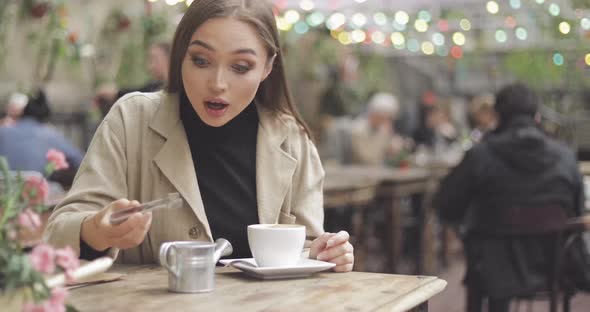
{"x":274,"y":166}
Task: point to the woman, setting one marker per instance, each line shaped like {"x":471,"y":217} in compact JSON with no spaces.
{"x":225,"y":135}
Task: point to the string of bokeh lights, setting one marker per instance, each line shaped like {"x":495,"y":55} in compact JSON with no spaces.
{"x":419,"y":32}
{"x":423,"y":32}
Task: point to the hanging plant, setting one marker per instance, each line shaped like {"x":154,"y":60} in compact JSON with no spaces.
{"x":39,"y":9}
{"x":35,"y":9}
{"x":50,"y":36}
{"x":73,"y":37}
{"x":123,"y":23}
{"x":5,"y":21}
{"x":581,"y":4}
{"x":117,"y":22}
{"x":154,"y":26}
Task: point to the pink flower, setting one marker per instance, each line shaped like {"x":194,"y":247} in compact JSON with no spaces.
{"x":35,"y":190}
{"x":66,"y":258}
{"x":43,"y":258}
{"x":58,"y":159}
{"x":45,"y":307}
{"x":58,"y":296}
{"x":56,"y":302}
{"x":51,"y":307}
{"x":31,"y":307}
{"x":29,"y":219}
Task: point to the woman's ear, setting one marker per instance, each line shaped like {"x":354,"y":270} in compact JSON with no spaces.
{"x":268,"y":67}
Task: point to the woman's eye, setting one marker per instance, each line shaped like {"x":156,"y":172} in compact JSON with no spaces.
{"x":241,"y":69}
{"x":200,"y":62}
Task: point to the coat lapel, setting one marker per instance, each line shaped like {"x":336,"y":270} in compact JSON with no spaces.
{"x":274,"y":167}
{"x":174,"y":158}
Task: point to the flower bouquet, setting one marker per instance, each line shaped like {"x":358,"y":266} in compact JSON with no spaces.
{"x":23,"y":270}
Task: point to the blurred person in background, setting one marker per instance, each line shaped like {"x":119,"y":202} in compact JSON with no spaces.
{"x":335,"y":100}
{"x":335,"y":120}
{"x":25,"y":144}
{"x":516,"y":165}
{"x":373,"y":139}
{"x":14,"y":109}
{"x":482,"y":116}
{"x":158,"y":63}
{"x":437,"y":131}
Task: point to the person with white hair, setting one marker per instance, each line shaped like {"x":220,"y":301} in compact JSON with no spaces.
{"x":14,"y":108}
{"x":373,"y":139}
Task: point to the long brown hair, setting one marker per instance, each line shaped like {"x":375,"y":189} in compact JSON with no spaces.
{"x":273,"y":93}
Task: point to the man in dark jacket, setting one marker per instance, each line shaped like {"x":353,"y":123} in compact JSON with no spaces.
{"x":516,"y":165}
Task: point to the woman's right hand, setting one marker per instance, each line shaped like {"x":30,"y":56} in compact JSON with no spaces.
{"x":100,"y":234}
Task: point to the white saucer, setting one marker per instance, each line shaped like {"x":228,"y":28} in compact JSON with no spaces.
{"x":304,"y":267}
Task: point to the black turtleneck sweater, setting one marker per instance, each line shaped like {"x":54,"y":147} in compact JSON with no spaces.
{"x":225,"y":163}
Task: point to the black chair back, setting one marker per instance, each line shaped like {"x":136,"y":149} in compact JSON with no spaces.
{"x":550,"y":221}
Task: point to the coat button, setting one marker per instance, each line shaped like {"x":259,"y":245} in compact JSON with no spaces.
{"x":194,"y":232}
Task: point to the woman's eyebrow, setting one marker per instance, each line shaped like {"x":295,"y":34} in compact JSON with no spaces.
{"x":211,"y":48}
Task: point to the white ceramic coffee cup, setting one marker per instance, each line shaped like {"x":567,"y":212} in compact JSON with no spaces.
{"x":276,"y":245}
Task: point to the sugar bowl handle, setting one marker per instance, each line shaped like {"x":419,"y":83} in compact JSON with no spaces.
{"x":165,"y":251}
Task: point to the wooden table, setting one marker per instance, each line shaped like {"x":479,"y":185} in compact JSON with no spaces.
{"x":394,"y":185}
{"x":342,"y":188}
{"x":144,"y":288}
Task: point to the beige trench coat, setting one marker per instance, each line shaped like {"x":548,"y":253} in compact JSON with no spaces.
{"x":140,"y":151}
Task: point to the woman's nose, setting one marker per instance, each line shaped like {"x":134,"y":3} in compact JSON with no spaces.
{"x":218,"y":83}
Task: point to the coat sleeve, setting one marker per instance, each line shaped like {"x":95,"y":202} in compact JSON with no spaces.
{"x":100,"y":180}
{"x":308,"y":182}
{"x":456,"y":191}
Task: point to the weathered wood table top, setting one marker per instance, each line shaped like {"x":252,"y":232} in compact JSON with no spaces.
{"x":377,"y":173}
{"x":342,"y":189}
{"x":144,"y":288}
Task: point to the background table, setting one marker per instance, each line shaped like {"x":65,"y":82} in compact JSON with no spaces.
{"x":144,"y":288}
{"x":394,"y":186}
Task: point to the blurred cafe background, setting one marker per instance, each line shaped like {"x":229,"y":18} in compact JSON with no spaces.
{"x":395,"y":93}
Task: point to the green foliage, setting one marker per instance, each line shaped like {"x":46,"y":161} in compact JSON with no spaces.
{"x":535,"y":68}
{"x":134,"y":37}
{"x":154,"y":26}
{"x":374,"y":70}
{"x":5,"y":20}
{"x":16,"y":271}
{"x":581,"y":4}
{"x":375,"y":75}
{"x":15,"y":268}
{"x":452,"y":14}
{"x":132,"y":70}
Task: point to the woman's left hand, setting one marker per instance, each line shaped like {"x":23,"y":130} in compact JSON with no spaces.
{"x":335,"y":248}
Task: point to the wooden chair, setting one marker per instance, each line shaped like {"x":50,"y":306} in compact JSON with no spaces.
{"x":549,"y":221}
